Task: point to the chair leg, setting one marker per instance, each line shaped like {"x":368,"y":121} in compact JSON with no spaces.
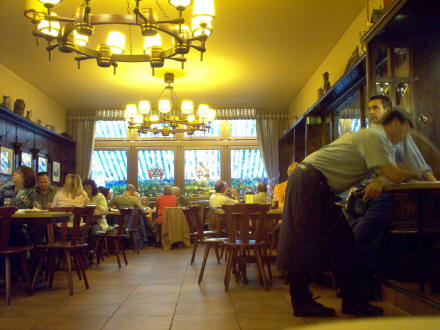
{"x":27,"y":277}
{"x":260,"y":267}
{"x":122,"y":248}
{"x":205,"y":258}
{"x":78,"y":271}
{"x":222,"y":253}
{"x":230,"y":253}
{"x":38,"y":270}
{"x":98,"y":247}
{"x":116,"y":247}
{"x":79,"y":257}
{"x":8,"y":280}
{"x":194,"y":251}
{"x":69,"y":272}
{"x":216,"y":253}
{"x":52,"y":256}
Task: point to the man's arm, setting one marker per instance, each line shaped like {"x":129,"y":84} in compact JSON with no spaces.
{"x":429,"y":176}
{"x":398,"y":175}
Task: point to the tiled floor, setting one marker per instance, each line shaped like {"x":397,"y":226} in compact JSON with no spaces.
{"x":159,"y":290}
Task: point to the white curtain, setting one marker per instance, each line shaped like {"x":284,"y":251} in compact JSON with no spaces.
{"x":82,"y":129}
{"x":269,"y":131}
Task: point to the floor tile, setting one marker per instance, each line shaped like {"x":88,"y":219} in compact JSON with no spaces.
{"x":139,"y":323}
{"x":204,"y":307}
{"x":269,"y":321}
{"x":203,"y":322}
{"x":150,"y":308}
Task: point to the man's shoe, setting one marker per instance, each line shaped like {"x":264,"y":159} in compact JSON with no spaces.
{"x":360,"y":308}
{"x":313,"y":309}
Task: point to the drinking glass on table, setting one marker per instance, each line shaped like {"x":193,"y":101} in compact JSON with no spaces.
{"x":7,"y":202}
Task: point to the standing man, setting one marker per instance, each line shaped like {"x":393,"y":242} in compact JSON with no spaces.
{"x":45,"y":191}
{"x":279,"y":192}
{"x":314,"y":236}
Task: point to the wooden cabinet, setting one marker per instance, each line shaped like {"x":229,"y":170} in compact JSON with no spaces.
{"x":23,"y":135}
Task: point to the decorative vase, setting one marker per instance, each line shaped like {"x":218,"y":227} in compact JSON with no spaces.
{"x":320,"y":93}
{"x":6,"y":102}
{"x":19,"y":107}
{"x":29,"y":114}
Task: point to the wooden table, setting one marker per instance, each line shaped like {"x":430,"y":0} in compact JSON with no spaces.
{"x":44,"y":218}
{"x":418,"y":191}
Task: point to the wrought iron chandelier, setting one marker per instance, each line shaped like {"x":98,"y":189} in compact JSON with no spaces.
{"x":72,"y":34}
{"x":168,"y":118}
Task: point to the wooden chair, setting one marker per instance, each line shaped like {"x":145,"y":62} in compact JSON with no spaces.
{"x":7,"y":251}
{"x":73,"y":246}
{"x":115,"y":238}
{"x":137,"y":216}
{"x":246,"y":230}
{"x":197,"y":232}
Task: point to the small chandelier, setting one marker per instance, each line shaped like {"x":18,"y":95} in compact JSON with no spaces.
{"x":167,"y":118}
{"x":72,"y":34}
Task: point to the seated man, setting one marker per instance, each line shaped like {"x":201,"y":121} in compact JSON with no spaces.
{"x":181,"y":200}
{"x":261,"y":197}
{"x":218,"y":199}
{"x":45,"y":191}
{"x":369,"y":228}
{"x":279,"y":191}
{"x":166,"y":200}
{"x":129,"y":199}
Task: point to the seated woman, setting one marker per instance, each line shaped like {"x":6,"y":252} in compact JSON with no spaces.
{"x":21,"y":194}
{"x":106,"y":192}
{"x":71,"y":195}
{"x":98,"y":199}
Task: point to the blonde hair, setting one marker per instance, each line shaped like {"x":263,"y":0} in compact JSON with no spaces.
{"x":73,"y":185}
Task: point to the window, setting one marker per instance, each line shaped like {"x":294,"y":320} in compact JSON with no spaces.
{"x":202,"y":169}
{"x":243,"y":128}
{"x":111,"y":129}
{"x":247,"y":169}
{"x":109,"y":169}
{"x":155,"y":169}
{"x":213,"y":132}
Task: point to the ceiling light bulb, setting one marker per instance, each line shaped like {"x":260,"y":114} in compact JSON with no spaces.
{"x":164,"y":106}
{"x":190,"y":118}
{"x":50,"y":28}
{"x":203,"y":8}
{"x":138,"y":119}
{"x":144,"y":107}
{"x":187,"y":107}
{"x":150,"y":42}
{"x":116,"y":42}
{"x":180,"y":4}
{"x":154,"y":118}
{"x":50,"y":2}
{"x":80,"y":39}
{"x":130,"y":111}
{"x":203,"y":110}
{"x":201,"y":25}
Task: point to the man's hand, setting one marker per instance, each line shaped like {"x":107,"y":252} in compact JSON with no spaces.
{"x":372,"y":190}
{"x":429,"y":176}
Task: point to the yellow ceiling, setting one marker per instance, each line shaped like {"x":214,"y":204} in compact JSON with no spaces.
{"x":260,"y":55}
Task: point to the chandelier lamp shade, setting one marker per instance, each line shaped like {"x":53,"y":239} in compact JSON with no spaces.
{"x":171,"y":116}
{"x":73,"y":34}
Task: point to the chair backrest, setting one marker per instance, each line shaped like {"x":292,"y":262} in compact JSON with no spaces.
{"x":197,"y":220}
{"x":123,"y":218}
{"x":5,"y":225}
{"x":79,"y":233}
{"x":245,"y":221}
{"x":50,"y":229}
{"x":135,"y":219}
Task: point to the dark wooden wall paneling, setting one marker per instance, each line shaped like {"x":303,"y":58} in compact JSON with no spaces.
{"x":21,"y":134}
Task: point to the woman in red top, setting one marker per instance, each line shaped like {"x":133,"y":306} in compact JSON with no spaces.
{"x":166,"y":200}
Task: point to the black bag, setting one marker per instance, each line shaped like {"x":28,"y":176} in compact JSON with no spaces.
{"x":356,"y":206}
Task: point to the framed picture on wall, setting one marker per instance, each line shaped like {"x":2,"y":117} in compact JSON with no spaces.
{"x":56,"y":171}
{"x":26,"y":159}
{"x":6,"y":160}
{"x":42,"y":164}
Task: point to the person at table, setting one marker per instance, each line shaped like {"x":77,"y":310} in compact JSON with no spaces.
{"x":98,"y":199}
{"x":146,"y":207}
{"x":21,"y":194}
{"x":314,"y":236}
{"x":279,"y":191}
{"x":181,"y":200}
{"x":218,"y":199}
{"x":147,"y":227}
{"x":261,"y":197}
{"x":106,"y":192}
{"x":72,"y":194}
{"x":163,"y":201}
{"x":369,"y":228}
{"x":45,"y":192}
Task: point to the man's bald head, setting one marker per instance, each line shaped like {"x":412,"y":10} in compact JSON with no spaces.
{"x":261,"y":187}
{"x":219,"y":186}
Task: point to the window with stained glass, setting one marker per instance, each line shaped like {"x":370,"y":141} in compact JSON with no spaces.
{"x":247,"y":169}
{"x":109,"y":169}
{"x":202,"y":169}
{"x":243,"y":128}
{"x":155,"y":169}
{"x":111,"y":129}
